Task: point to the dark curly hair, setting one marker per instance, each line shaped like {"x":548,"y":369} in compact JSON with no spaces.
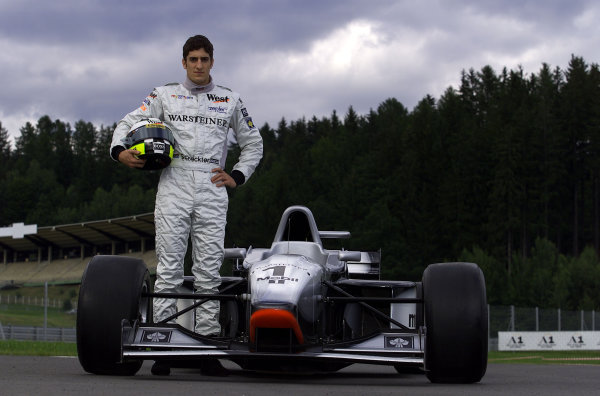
{"x":196,"y":43}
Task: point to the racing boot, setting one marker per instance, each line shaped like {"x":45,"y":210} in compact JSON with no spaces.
{"x":213,"y":368}
{"x":161,"y":368}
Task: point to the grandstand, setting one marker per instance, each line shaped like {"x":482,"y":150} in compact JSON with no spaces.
{"x":59,"y":254}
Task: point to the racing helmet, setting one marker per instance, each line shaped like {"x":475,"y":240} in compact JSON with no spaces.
{"x":153,"y":140}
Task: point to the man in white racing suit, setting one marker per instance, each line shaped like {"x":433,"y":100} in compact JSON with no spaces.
{"x":191,"y":199}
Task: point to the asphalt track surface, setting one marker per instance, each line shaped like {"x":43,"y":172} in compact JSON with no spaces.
{"x":26,"y":375}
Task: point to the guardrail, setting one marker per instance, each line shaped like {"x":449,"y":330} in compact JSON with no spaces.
{"x":549,"y":341}
{"x":34,"y":333}
{"x":501,"y":319}
{"x":512,"y":318}
{"x":532,"y":327}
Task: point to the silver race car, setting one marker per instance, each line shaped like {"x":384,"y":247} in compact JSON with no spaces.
{"x":295,"y":306}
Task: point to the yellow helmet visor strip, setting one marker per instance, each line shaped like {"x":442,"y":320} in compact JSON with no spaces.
{"x":141,"y":147}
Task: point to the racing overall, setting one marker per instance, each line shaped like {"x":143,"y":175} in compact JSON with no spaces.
{"x":187,"y":202}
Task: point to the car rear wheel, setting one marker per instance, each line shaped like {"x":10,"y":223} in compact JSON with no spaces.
{"x":456,"y":322}
{"x":111,"y":291}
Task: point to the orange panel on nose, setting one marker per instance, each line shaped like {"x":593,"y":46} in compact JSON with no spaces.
{"x":272,"y":318}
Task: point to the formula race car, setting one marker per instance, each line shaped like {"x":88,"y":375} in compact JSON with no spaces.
{"x":295,"y":306}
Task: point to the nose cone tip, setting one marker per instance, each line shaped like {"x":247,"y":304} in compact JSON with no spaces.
{"x":275,"y":318}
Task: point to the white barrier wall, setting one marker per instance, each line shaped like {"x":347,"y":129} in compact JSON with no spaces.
{"x":548,"y":341}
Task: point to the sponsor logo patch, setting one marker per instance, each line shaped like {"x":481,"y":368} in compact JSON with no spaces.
{"x":278,"y":275}
{"x":181,"y":97}
{"x":218,"y":109}
{"x":217,"y":99}
{"x":402,"y":342}
{"x":249,"y":122}
{"x":146,"y":102}
{"x":158,"y":146}
{"x":156,"y":336}
{"x":198,"y":119}
{"x":197,"y":159}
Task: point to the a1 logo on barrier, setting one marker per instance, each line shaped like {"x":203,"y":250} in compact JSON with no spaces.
{"x":515,"y":342}
{"x":576,"y":342}
{"x":549,"y":340}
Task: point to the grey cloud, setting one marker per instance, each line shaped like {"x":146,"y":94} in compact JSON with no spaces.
{"x":96,"y":60}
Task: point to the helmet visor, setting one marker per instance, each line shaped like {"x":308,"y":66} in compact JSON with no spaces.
{"x":150,"y":131}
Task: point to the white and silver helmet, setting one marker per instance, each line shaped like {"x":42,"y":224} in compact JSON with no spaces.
{"x":153,"y":140}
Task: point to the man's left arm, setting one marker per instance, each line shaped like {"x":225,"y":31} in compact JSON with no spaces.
{"x":250,"y":142}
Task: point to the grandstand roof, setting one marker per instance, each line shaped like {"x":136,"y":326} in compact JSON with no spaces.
{"x":92,"y":233}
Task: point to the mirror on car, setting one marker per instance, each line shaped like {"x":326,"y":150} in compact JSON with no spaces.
{"x":235,"y":253}
{"x":349,"y":255}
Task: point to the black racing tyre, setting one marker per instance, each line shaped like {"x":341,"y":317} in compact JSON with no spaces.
{"x":111,"y":289}
{"x":456,"y":342}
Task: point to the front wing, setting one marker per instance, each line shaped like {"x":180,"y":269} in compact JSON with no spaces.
{"x":173,"y":342}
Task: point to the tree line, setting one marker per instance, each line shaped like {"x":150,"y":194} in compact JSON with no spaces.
{"x":502,"y":170}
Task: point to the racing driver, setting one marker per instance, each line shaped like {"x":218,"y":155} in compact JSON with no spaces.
{"x":191,"y":200}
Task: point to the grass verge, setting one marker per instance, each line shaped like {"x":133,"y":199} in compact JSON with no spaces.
{"x":545,"y":357}
{"x":37,"y":348}
{"x":30,"y":315}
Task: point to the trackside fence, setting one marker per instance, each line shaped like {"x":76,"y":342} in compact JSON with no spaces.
{"x":526,"y":319}
{"x":33,"y":333}
{"x":29,"y":300}
{"x":500,"y":319}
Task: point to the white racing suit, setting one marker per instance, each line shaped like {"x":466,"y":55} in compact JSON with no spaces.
{"x":187,"y":202}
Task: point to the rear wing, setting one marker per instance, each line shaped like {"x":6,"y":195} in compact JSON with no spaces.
{"x":368,"y":267}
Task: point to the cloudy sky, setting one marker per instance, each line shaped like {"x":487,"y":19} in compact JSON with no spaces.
{"x":97,"y":59}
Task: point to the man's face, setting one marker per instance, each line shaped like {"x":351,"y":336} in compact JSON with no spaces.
{"x":197,"y":65}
